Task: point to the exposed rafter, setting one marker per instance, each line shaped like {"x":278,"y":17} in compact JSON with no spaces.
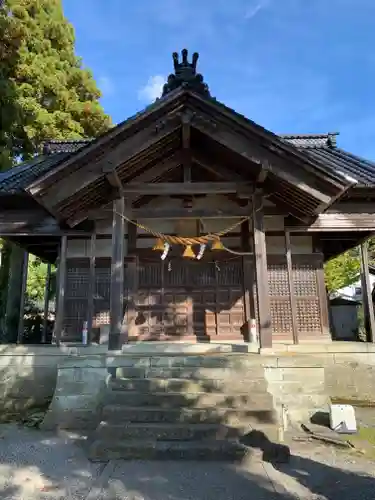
{"x":186,"y":145}
{"x":185,"y":188}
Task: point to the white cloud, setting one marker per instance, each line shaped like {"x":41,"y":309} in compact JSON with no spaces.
{"x":252,"y":11}
{"x":153,"y":89}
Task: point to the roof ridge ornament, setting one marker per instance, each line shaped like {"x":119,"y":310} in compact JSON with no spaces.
{"x":185,"y":75}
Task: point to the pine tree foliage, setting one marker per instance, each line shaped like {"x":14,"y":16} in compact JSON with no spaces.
{"x":45,"y":93}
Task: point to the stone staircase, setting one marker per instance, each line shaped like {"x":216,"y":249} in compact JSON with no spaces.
{"x":183,"y":407}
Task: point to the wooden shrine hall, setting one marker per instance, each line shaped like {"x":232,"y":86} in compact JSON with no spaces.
{"x":188,"y":221}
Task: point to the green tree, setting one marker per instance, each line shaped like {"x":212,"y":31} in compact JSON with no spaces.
{"x":45,"y":91}
{"x":36,"y":278}
{"x":342,"y":271}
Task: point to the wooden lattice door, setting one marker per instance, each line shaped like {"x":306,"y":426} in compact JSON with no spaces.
{"x":75,"y":299}
{"x":185,"y":298}
{"x":306,"y":290}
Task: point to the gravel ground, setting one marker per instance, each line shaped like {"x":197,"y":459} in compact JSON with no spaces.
{"x":35,"y":466}
{"x":319,"y":472}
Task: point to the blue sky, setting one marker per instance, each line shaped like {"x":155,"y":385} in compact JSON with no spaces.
{"x":293,"y":66}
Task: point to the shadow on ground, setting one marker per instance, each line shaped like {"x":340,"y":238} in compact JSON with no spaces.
{"x":38,"y":465}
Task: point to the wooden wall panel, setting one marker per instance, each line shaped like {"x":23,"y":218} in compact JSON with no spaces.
{"x":281,"y":311}
{"x":307,"y":296}
{"x":75,"y":299}
{"x":306,"y":290}
{"x":184,"y":298}
{"x":191,"y":298}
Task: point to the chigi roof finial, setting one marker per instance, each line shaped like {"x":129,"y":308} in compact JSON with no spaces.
{"x":185,"y":75}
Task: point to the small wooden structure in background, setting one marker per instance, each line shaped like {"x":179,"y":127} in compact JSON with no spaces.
{"x":301,"y":200}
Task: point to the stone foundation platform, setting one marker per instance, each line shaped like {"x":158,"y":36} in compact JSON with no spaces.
{"x":291,"y":382}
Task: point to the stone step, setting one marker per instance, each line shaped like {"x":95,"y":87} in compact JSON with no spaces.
{"x":199,"y":399}
{"x":225,"y":450}
{"x":188,"y":386}
{"x":303,"y":400}
{"x":234,"y":361}
{"x":191,"y":373}
{"x":289,"y":388}
{"x":167,"y":432}
{"x":117,"y":414}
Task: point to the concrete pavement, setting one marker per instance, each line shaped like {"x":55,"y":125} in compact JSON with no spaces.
{"x":36,"y":465}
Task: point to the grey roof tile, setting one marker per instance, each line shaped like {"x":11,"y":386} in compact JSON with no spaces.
{"x":53,"y":147}
{"x":311,"y":140}
{"x":321,"y":147}
{"x":16,"y":179}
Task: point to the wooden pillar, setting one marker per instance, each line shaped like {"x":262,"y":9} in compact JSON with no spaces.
{"x":293,"y":302}
{"x":47,"y":289}
{"x":248,"y":280}
{"x":117,"y":276}
{"x":367,"y":294}
{"x":91,"y":289}
{"x":131,"y":284}
{"x":322,"y":289}
{"x":323,"y":300}
{"x":261,"y":272}
{"x":13,"y":295}
{"x":59,"y":320}
{"x":25,"y":265}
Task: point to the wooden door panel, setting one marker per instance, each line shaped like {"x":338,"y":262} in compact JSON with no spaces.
{"x":190,"y":298}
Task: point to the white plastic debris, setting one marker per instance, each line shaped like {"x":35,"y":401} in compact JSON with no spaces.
{"x":342,"y":419}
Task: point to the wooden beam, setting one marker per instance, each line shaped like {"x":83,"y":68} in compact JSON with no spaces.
{"x":261,"y":272}
{"x":59,"y":319}
{"x":189,"y":213}
{"x":114,"y":181}
{"x":21,"y":323}
{"x":180,"y":188}
{"x":254,"y":152}
{"x":150,"y":119}
{"x":293,"y":301}
{"x":248,"y":279}
{"x":73,"y":183}
{"x":342,"y":222}
{"x":22,"y":216}
{"x":186,"y":151}
{"x":129,"y":322}
{"x":12,"y":222}
{"x":91,"y":289}
{"x":117,"y":276}
{"x":44,"y":233}
{"x":131,"y":287}
{"x":367,"y":293}
{"x":215,"y":168}
{"x":184,"y":213}
{"x":262,"y":175}
{"x":47,"y":289}
{"x":322,"y":289}
{"x":159,"y":169}
{"x":132,"y":236}
{"x":151,"y":173}
{"x":352,"y":207}
{"x":238,"y":124}
{"x":155,"y":172}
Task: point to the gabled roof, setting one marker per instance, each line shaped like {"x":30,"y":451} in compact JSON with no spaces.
{"x":328,"y":168}
{"x":302,"y":174}
{"x":295,"y":181}
{"x":322,"y":146}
